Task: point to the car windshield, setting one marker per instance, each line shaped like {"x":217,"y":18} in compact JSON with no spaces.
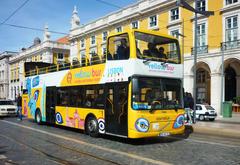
{"x":156,"y":93}
{"x":157,"y":48}
{"x":208,"y":107}
{"x":6,"y":103}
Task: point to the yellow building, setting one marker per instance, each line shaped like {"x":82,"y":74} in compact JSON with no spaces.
{"x":48,"y":51}
{"x":214,"y":33}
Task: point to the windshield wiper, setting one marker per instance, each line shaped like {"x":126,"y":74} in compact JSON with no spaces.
{"x":152,"y":110}
{"x":176,"y":108}
{"x":146,"y":60}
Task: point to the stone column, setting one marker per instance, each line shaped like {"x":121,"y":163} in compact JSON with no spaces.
{"x":216,"y":92}
{"x":74,"y":50}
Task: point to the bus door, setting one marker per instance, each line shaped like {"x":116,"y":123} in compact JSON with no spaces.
{"x":50,"y":104}
{"x":116,"y":113}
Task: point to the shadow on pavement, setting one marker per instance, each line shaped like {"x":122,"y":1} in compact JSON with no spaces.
{"x":142,"y":141}
{"x":152,"y":140}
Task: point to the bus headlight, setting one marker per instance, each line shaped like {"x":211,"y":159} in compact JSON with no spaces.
{"x":142,"y":125}
{"x":59,"y":118}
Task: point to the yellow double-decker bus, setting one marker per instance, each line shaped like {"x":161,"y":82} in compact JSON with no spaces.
{"x":133,"y":91}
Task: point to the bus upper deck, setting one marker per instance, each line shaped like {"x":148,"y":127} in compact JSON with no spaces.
{"x":136,"y":49}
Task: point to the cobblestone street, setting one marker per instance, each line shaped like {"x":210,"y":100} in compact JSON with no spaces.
{"x":28,"y":143}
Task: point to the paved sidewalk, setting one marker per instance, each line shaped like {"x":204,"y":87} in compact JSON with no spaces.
{"x":228,"y":127}
{"x":235,"y":119}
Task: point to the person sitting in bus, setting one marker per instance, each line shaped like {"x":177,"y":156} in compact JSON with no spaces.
{"x":152,"y":50}
{"x":149,"y":96}
{"x":161,"y":53}
{"x":122,"y":50}
{"x":88,"y":102}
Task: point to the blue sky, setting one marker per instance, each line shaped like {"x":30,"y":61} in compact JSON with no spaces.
{"x":56,"y":13}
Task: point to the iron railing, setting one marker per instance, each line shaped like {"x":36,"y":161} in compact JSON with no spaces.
{"x":230,"y":45}
{"x":200,"y":49}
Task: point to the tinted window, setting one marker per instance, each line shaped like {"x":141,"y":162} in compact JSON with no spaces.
{"x":157,"y":48}
{"x":62,"y":96}
{"x":118,"y":47}
{"x":81,"y":96}
{"x":156,"y":93}
{"x":198,"y":107}
{"x":208,"y":107}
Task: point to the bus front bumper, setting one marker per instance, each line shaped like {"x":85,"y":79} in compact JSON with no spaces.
{"x":135,"y":134}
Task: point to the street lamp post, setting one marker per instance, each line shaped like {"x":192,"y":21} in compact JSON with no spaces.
{"x":195,"y":67}
{"x":223,"y":47}
{"x":185,"y":5}
{"x":182,"y":35}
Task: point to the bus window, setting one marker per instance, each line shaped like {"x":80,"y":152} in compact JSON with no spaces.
{"x":94,"y":97}
{"x":62,"y":97}
{"x":75,"y":96}
{"x":122,"y":104}
{"x":157,"y":48}
{"x":109,"y":102}
{"x":99,"y":100}
{"x":157,"y":93}
{"x":118,"y":47}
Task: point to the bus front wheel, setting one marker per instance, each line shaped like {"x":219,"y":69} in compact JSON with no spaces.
{"x":92,"y":126}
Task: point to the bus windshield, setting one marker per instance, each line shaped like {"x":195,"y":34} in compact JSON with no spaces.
{"x":156,"y":93}
{"x":157,"y":48}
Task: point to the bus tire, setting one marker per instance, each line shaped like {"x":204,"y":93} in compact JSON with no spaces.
{"x":38,"y":117}
{"x":92,"y":126}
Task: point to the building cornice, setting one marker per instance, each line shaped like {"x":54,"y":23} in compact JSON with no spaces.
{"x":229,"y":8}
{"x":127,"y":13}
{"x":39,"y":48}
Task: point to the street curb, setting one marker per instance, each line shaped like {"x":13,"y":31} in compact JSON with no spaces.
{"x":217,"y":131}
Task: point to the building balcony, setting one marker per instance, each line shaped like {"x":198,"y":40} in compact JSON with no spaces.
{"x":200,"y":49}
{"x":230,"y":45}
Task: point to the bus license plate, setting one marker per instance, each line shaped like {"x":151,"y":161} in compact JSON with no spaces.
{"x":164,"y":134}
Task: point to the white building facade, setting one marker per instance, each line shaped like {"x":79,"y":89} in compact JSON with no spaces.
{"x":47,"y":51}
{"x":4,"y":73}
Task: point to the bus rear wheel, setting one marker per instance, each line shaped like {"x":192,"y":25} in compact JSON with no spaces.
{"x":38,"y":117}
{"x":92,"y":126}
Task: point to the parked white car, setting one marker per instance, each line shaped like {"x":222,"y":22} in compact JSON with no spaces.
{"x":7,"y":108}
{"x":205,"y":112}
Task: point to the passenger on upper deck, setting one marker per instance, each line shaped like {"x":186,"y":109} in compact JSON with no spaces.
{"x":161,"y":53}
{"x":152,"y":50}
{"x":122,"y":50}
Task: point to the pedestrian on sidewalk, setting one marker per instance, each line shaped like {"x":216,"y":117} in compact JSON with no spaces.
{"x":191,"y":106}
{"x":188,"y":107}
{"x":19,"y":106}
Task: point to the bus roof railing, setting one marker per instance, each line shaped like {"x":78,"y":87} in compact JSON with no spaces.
{"x":66,"y":65}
